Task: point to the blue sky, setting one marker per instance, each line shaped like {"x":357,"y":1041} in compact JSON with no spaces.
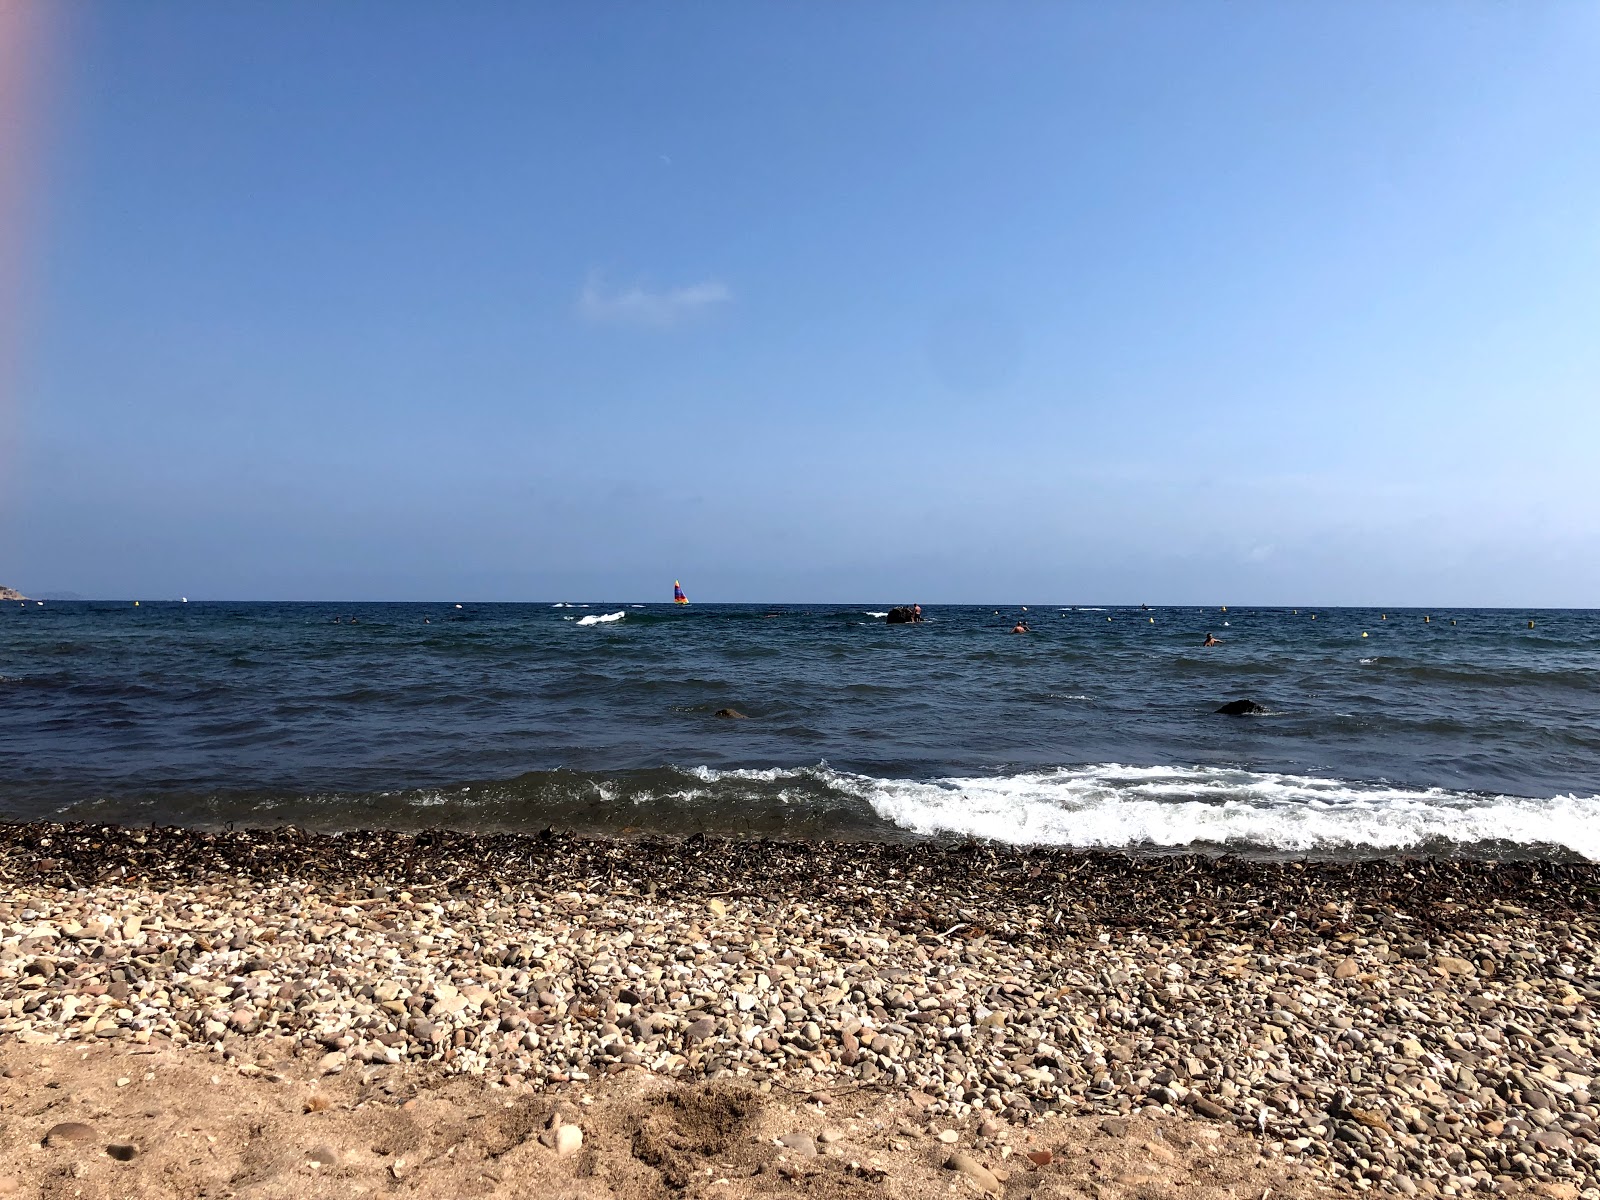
{"x":1183,"y":303}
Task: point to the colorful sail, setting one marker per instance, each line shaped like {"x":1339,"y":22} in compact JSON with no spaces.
{"x":677,"y":593}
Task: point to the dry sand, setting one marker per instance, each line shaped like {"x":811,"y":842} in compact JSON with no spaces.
{"x":200,"y":1128}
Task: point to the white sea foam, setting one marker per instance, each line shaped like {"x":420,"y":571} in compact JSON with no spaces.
{"x":601,"y":618}
{"x":874,"y":614}
{"x":1110,"y":806}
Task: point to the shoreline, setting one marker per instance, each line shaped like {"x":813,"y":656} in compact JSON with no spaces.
{"x":1402,"y":1026}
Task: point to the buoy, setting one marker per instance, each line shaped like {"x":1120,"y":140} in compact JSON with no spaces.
{"x":1363,"y":633}
{"x":1313,"y":616}
{"x":458,"y":606}
{"x":1108,"y":618}
{"x":1297,"y":612}
{"x":1152,"y":620}
{"x":136,"y":605}
{"x":1224,"y":608}
{"x":1385,"y":617}
{"x":1427,"y":620}
{"x":1452,"y":622}
{"x":1530,"y":624}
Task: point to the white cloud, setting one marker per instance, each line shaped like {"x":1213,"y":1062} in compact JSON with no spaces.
{"x":637,"y":305}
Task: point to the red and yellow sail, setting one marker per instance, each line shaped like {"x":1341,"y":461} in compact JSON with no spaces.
{"x":677,"y":593}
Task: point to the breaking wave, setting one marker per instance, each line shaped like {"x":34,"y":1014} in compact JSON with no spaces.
{"x":1112,"y":806}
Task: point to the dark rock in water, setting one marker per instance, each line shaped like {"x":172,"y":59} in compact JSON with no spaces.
{"x":903,"y":614}
{"x":731,"y":714}
{"x":1242,"y":708}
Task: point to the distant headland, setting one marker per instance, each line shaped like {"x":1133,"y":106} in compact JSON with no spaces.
{"x":11,"y":594}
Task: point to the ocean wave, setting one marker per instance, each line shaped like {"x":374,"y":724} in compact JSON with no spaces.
{"x":870,"y":613}
{"x":601,"y":618}
{"x":1114,"y":806}
{"x":1106,"y":806}
{"x":1109,"y":806}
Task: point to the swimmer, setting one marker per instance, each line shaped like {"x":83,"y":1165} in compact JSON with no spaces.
{"x":1211,"y":640}
{"x":1021,"y":627}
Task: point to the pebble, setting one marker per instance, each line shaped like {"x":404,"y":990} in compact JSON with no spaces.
{"x":801,"y":1143}
{"x":569,"y":1140}
{"x":69,"y":1133}
{"x":975,"y":1171}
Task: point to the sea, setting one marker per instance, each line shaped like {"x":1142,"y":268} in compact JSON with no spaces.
{"x":1386,"y":731}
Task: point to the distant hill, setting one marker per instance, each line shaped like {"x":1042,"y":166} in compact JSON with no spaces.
{"x":11,"y":594}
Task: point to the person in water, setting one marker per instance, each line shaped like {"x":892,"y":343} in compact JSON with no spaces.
{"x":1021,"y":627}
{"x":1211,"y":640}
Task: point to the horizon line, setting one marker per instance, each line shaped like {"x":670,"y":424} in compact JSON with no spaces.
{"x":991,"y":604}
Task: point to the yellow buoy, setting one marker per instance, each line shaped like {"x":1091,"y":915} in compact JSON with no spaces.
{"x":1427,"y":620}
{"x":1385,"y":616}
{"x":1530,"y":624}
{"x":136,"y":605}
{"x":1452,"y":622}
{"x":1224,"y":608}
{"x":1363,"y":633}
{"x":1152,"y":620}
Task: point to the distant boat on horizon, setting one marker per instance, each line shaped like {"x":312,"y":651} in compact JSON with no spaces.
{"x":677,"y":593}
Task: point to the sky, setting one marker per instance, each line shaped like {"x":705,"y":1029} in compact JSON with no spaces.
{"x":1167,"y":302}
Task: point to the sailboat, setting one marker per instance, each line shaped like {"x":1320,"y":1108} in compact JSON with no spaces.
{"x":677,"y":593}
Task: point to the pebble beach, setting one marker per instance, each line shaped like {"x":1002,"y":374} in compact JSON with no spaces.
{"x":1400,"y":1027}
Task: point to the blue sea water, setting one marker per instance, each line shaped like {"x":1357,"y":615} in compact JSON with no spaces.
{"x":1469,"y":731}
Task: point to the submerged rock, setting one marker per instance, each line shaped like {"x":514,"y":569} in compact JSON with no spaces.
{"x":903,"y":614}
{"x":730,"y":714}
{"x":1243,"y":708}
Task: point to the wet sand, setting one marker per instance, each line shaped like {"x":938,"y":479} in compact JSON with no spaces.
{"x":1142,"y":1026}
